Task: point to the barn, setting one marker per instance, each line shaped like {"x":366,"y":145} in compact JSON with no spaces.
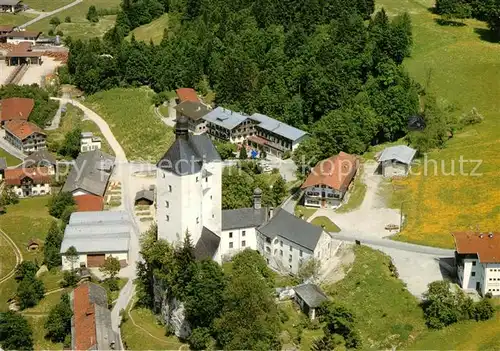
{"x":96,"y":235}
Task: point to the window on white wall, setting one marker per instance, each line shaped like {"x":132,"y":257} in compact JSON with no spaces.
{"x":166,"y":204}
{"x":168,"y":218}
{"x":243,"y":233}
{"x":230,"y":235}
{"x":473,"y":274}
{"x":197,"y":220}
{"x":281,"y":252}
{"x":197,"y":179}
{"x":291,"y":248}
{"x":243,"y":243}
{"x":300,"y":253}
{"x":170,"y":188}
{"x":473,"y":263}
{"x":231,"y":245}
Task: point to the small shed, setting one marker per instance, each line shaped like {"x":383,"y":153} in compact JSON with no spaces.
{"x":395,"y":161}
{"x":144,"y":197}
{"x":309,"y":297}
{"x":33,"y":245}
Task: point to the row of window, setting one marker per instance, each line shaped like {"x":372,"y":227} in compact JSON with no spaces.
{"x":243,"y":233}
{"x":167,"y":217}
{"x":493,"y":289}
{"x":494,"y":279}
{"x":243,"y":244}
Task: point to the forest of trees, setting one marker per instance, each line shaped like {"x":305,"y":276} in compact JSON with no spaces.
{"x":331,"y":67}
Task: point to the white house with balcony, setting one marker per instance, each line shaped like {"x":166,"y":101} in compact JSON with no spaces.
{"x":25,"y":136}
{"x":89,"y":142}
{"x":477,"y":258}
{"x":26,"y":182}
{"x":328,"y":182}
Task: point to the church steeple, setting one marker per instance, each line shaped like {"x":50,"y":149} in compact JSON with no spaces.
{"x":182,"y":128}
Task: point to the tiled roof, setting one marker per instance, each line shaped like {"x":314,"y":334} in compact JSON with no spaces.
{"x":187,"y":94}
{"x":85,"y":203}
{"x":22,"y":129}
{"x":336,"y":172}
{"x":400,"y":153}
{"x":312,"y":295}
{"x":225,"y":118}
{"x":14,"y":176}
{"x":23,"y":34}
{"x":194,"y":110}
{"x":485,"y":245}
{"x":241,"y":218}
{"x":40,"y":158}
{"x":6,"y":28}
{"x":16,"y":109}
{"x":207,"y":244}
{"x":277,"y":127}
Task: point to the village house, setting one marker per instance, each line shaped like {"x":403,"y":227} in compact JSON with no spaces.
{"x":260,"y":131}
{"x":91,"y":327}
{"x":329,"y":180}
{"x":96,"y":235}
{"x":11,"y":6}
{"x":28,"y":181}
{"x":23,"y":54}
{"x":309,"y":297}
{"x":89,"y":142}
{"x":239,"y":227}
{"x":41,"y":158}
{"x":21,"y":36}
{"x":395,"y":161}
{"x":90,"y":174}
{"x":477,"y":257}
{"x":4,"y":29}
{"x":194,"y":111}
{"x":287,"y":242}
{"x":186,"y":94}
{"x":15,"y":109}
{"x":25,"y":136}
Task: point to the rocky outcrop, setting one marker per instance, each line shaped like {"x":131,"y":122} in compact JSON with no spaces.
{"x":172,"y":311}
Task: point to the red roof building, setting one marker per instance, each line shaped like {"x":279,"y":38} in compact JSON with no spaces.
{"x":187,"y":94}
{"x":15,"y":109}
{"x":485,"y":245}
{"x":17,"y":176}
{"x":329,"y":180}
{"x":88,"y":202}
{"x":22,"y":129}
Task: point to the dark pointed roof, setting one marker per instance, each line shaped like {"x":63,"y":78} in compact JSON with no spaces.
{"x":207,"y":244}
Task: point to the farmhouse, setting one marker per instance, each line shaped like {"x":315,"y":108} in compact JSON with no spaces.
{"x":287,"y":242}
{"x":25,"y":136}
{"x":22,"y":36}
{"x":89,"y":142}
{"x":309,"y":297}
{"x":15,"y":109}
{"x":194,"y":111}
{"x":260,"y":131}
{"x":90,"y":174}
{"x":28,"y":181}
{"x":41,"y":158}
{"x":395,"y":161}
{"x":11,"y":6}
{"x":239,"y":227}
{"x":329,"y":180}
{"x":477,"y":258}
{"x":91,"y":322}
{"x":96,"y":235}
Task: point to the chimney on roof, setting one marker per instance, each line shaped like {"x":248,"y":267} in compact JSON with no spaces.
{"x":490,"y":235}
{"x":181,"y":128}
{"x":481,"y":235}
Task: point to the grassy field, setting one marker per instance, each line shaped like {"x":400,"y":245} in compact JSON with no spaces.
{"x":46,"y":5}
{"x":150,"y":335}
{"x":326,"y":223}
{"x":152,"y":31}
{"x":7,"y":258}
{"x":80,"y":28}
{"x":130,"y":116}
{"x":387,"y":314}
{"x":37,"y":325}
{"x":15,"y":19}
{"x":458,"y":65}
{"x":52,"y":279}
{"x":11,"y":160}
{"x":28,"y":219}
{"x":306,"y":212}
{"x":356,"y":196}
{"x":73,"y":119}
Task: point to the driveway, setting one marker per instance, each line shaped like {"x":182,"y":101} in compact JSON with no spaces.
{"x":42,"y":15}
{"x":372,"y":216}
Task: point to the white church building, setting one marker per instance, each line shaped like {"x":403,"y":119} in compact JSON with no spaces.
{"x":189,"y":199}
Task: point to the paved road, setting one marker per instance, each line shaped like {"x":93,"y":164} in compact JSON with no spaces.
{"x":57,"y":118}
{"x":123,"y":172}
{"x":48,"y":14}
{"x":4,"y":144}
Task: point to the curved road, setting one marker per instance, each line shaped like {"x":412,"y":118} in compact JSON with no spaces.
{"x":43,"y":15}
{"x":123,"y":171}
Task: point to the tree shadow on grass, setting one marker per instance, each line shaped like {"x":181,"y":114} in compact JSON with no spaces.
{"x":451,"y":23}
{"x":486,"y":35}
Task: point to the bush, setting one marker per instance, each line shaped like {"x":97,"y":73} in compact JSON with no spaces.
{"x":113,"y":284}
{"x":59,"y":202}
{"x":92,"y":15}
{"x":67,"y":19}
{"x":284,"y":317}
{"x":51,"y":32}
{"x":60,"y":33}
{"x":483,"y":310}
{"x":472,"y":117}
{"x":8,"y":197}
{"x":70,"y":279}
{"x":55,"y":21}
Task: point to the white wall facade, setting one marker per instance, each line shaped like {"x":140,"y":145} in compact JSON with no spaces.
{"x":212,"y":196}
{"x":179,"y":206}
{"x":394,"y":169}
{"x":236,"y":240}
{"x":17,"y":40}
{"x":90,"y":144}
{"x":33,"y":190}
{"x":491,"y":278}
{"x":322,"y":196}
{"x":473,"y":275}
{"x":82,"y":259}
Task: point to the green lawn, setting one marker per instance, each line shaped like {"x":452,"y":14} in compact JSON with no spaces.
{"x":326,"y":223}
{"x":132,"y":120}
{"x":73,"y":119}
{"x":28,"y":219}
{"x":37,"y":325}
{"x":15,"y":19}
{"x":455,"y":64}
{"x":152,"y":31}
{"x":46,"y":5}
{"x":80,"y":27}
{"x":387,"y":315}
{"x":357,"y":194}
{"x":7,"y":258}
{"x":150,"y":335}
{"x":11,"y":160}
{"x":305,"y":212}
{"x":52,"y":279}
{"x":45,"y":304}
